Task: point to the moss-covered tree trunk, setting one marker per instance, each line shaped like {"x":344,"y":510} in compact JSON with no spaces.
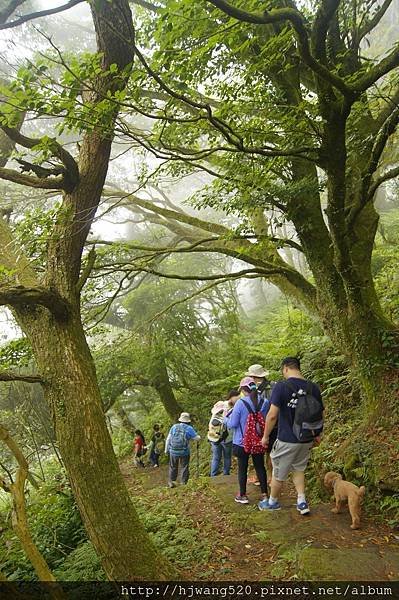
{"x":47,"y":307}
{"x":71,"y":389}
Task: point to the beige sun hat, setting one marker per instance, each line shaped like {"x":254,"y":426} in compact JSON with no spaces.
{"x":256,"y":371}
{"x":185,"y":418}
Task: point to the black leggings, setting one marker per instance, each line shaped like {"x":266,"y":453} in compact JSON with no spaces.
{"x":259,"y":464}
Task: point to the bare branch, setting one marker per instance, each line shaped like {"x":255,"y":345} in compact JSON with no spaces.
{"x":71,"y":177}
{"x":40,"y":13}
{"x":19,"y":517}
{"x":390,"y":174}
{"x":45,"y":183}
{"x":10,"y":376}
{"x":239,"y":274}
{"x":147,"y":5}
{"x":373,"y":22}
{"x":91,"y":259}
{"x":170,"y":214}
{"x":9,"y":9}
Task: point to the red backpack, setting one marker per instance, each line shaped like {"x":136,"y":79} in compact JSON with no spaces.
{"x":253,"y":433}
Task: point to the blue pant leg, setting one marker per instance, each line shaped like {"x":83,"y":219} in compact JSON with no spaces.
{"x":227,"y":452}
{"x":173,"y":467}
{"x":216,"y":458}
{"x":152,"y":457}
{"x":185,"y":468}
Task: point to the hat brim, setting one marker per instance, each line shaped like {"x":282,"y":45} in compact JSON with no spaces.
{"x":252,"y":374}
{"x":184,"y":420}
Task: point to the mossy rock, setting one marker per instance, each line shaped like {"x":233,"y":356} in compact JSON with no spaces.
{"x":342,"y":564}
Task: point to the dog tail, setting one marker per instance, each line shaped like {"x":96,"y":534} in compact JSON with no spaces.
{"x":362,"y":491}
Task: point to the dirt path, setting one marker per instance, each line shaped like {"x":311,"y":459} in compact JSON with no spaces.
{"x":253,"y":545}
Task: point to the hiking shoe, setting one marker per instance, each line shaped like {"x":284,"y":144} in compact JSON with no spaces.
{"x":303,"y":508}
{"x":265,"y":505}
{"x":241,"y":499}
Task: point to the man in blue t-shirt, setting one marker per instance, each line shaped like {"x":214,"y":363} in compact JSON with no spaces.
{"x":288,"y":454}
{"x":178,"y":448}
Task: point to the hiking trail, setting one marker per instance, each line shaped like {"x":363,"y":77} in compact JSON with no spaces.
{"x":254,"y":545}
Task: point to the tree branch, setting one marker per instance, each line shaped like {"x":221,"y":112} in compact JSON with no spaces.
{"x":19,"y":296}
{"x":199,"y":292}
{"x":368,"y":186}
{"x":170,"y":214}
{"x":9,"y":9}
{"x":48,"y":183}
{"x":146,"y":5}
{"x":71,"y":177}
{"x":297,"y":20}
{"x":259,"y":272}
{"x":114,"y":34}
{"x":11,"y":376}
{"x":321,"y":26}
{"x":390,"y":174}
{"x":38,"y":14}
{"x":386,"y":65}
{"x":372,"y":23}
{"x":91,"y":259}
{"x":19,"y":517}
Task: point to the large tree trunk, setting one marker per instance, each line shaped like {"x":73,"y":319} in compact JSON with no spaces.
{"x":71,"y":389}
{"x":164,"y":388}
{"x":346,"y":303}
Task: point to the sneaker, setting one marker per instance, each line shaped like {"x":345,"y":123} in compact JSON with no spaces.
{"x":172,"y":484}
{"x":241,"y":499}
{"x":303,"y":508}
{"x":265,"y":505}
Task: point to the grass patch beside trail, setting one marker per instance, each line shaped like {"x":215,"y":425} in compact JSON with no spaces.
{"x":184,"y":525}
{"x":192,"y":529}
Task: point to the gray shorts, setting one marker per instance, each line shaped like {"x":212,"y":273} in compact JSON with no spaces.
{"x":289,"y":457}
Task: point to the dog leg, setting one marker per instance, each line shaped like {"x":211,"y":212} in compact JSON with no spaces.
{"x":354,"y":509}
{"x":338,"y":506}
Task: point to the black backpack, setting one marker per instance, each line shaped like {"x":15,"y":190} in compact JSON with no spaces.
{"x":308,"y":419}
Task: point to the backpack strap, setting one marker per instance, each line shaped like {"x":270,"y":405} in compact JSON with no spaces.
{"x":251,"y":410}
{"x":291,"y":387}
{"x":248,"y":407}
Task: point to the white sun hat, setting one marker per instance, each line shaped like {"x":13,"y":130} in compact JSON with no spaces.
{"x":256,"y":371}
{"x":185,"y":418}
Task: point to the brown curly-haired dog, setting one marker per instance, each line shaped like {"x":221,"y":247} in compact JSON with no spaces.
{"x":345,"y":491}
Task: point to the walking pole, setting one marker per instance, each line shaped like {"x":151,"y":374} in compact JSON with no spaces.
{"x":198,"y":461}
